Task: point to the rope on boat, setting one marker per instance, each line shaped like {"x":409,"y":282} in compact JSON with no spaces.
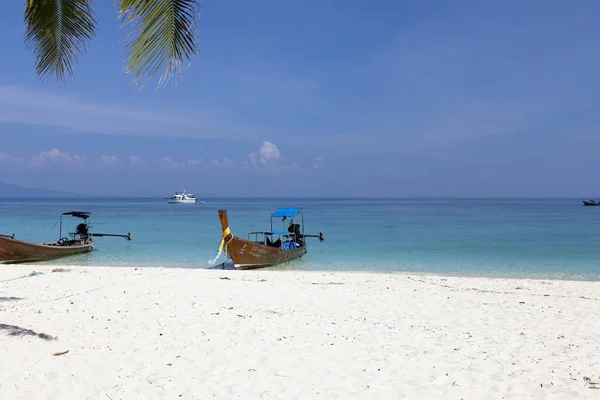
{"x":222,"y":245}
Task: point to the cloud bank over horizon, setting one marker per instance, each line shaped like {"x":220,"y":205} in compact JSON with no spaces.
{"x":268,"y":158}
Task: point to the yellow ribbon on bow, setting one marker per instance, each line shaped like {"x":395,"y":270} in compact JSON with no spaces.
{"x":222,"y":246}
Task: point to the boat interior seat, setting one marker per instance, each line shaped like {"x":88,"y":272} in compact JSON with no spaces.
{"x":289,"y":246}
{"x":276,"y":243}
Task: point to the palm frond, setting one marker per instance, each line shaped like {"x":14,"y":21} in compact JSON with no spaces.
{"x":165,"y":36}
{"x":58,"y":30}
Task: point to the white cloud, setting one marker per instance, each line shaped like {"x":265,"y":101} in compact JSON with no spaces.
{"x":268,"y":151}
{"x":194,"y":162}
{"x":318,"y":162}
{"x":54,"y":156}
{"x":109,"y":160}
{"x":224,"y":162}
{"x":7,"y":158}
{"x":168,"y":163}
{"x":267,"y":158}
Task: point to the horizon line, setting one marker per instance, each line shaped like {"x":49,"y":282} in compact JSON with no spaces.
{"x":89,"y":196}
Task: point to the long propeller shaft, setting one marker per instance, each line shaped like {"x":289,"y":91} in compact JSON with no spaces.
{"x":319,"y":236}
{"x":127,"y":237}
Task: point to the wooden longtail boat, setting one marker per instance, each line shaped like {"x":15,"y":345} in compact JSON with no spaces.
{"x":591,"y":202}
{"x":264,"y":251}
{"x":17,"y":251}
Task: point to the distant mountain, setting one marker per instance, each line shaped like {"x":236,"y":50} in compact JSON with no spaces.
{"x":11,"y":191}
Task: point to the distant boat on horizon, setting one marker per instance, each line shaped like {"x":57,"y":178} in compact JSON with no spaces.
{"x":591,"y":202}
{"x":183,"y":197}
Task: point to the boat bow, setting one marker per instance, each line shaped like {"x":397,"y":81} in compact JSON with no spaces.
{"x":227,"y":236}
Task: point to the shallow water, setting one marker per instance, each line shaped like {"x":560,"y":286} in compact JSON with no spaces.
{"x":552,"y":238}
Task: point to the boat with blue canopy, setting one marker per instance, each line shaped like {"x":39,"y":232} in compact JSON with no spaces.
{"x":268,"y":247}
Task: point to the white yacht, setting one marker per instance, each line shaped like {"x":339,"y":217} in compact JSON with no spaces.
{"x":182,"y":197}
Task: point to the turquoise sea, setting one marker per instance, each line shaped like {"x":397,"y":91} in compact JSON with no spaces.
{"x":551,"y":238}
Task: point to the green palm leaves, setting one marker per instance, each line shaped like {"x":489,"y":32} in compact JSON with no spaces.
{"x":163,"y":35}
{"x":58,"y":30}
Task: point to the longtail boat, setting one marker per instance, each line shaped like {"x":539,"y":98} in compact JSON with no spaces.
{"x":17,"y":251}
{"x":591,"y":202}
{"x":265,"y":248}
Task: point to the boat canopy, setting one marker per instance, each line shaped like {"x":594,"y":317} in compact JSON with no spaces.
{"x":287,"y":212}
{"x":269,"y":233}
{"x":78,"y":214}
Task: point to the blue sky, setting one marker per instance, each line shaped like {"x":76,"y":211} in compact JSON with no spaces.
{"x":322,"y":98}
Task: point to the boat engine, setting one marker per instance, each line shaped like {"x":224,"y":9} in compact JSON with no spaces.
{"x":295,"y":229}
{"x":82,"y":230}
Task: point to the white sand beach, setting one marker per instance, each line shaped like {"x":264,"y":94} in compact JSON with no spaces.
{"x":152,"y":333}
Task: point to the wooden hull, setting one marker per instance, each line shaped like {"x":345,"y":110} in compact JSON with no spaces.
{"x":17,"y":251}
{"x":246,"y":254}
{"x":591,"y":203}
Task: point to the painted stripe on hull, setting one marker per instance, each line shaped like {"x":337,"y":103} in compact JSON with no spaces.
{"x":246,"y":254}
{"x":255,"y":266}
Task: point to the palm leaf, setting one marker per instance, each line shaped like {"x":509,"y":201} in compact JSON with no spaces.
{"x":58,"y":31}
{"x":165,"y":36}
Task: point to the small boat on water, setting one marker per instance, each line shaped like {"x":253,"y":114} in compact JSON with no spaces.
{"x":591,"y":202}
{"x":267,"y":248}
{"x":17,"y":251}
{"x":182,"y":197}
